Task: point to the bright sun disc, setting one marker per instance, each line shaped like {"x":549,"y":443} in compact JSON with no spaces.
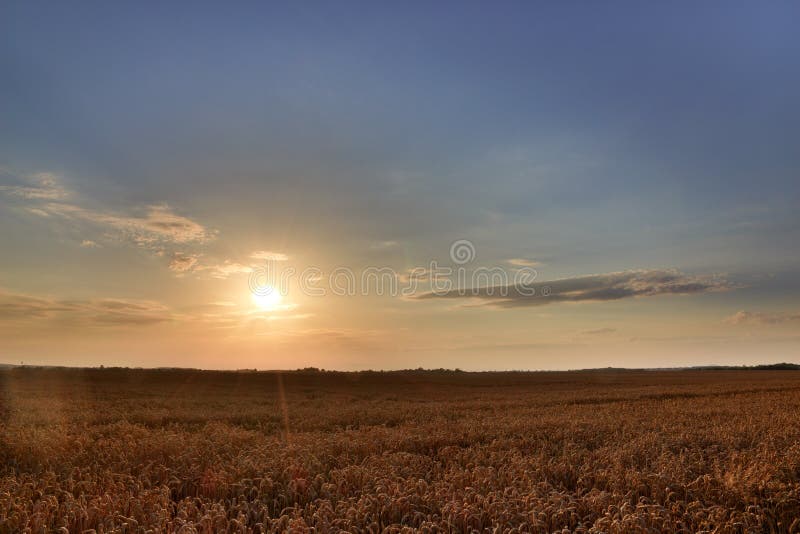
{"x":269,"y":298}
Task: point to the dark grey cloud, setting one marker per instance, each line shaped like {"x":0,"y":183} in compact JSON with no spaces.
{"x":592,"y":288}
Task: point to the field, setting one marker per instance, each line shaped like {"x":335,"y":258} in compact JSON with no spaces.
{"x":115,"y":450}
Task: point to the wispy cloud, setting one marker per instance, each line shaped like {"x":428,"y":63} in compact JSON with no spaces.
{"x":224,"y":269}
{"x":523,"y":262}
{"x":16,"y":307}
{"x":228,"y":268}
{"x":228,"y":315}
{"x":182,"y":262}
{"x":127,"y":312}
{"x":384,"y":245}
{"x":418,"y":274}
{"x":269,"y":255}
{"x":763,"y":318}
{"x":592,"y":288}
{"x":40,"y":186}
{"x":157,"y":228}
{"x":598,"y":331}
{"x":155,"y":225}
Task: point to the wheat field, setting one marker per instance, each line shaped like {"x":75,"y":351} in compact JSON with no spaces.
{"x":117,"y":450}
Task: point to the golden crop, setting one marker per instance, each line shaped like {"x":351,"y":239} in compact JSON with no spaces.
{"x":607,"y":451}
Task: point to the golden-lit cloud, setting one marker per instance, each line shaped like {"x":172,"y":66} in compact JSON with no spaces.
{"x":182,"y":262}
{"x":225,"y":269}
{"x":154,"y":225}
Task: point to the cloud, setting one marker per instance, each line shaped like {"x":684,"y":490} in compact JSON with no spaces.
{"x":269,"y":255}
{"x":229,"y":315}
{"x":120,"y":319}
{"x":591,"y":288}
{"x":88,"y":243}
{"x":415,"y":274}
{"x":156,"y":225}
{"x":17,"y":306}
{"x":182,"y":262}
{"x":41,"y":186}
{"x":225,"y":269}
{"x":384,"y":245}
{"x":37,"y":211}
{"x":347,"y":339}
{"x":598,"y":331}
{"x":522,"y":262}
{"x":126,"y":312}
{"x":98,"y":312}
{"x":763,"y":318}
{"x":17,"y":310}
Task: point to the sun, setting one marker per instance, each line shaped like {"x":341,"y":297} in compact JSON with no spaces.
{"x":267,"y":298}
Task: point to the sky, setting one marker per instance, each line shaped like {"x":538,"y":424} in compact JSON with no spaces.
{"x":532,"y":186}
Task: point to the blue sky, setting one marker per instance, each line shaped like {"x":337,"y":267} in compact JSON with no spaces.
{"x":587,"y":139}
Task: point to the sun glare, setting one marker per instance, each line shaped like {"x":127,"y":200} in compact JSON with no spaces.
{"x":269,"y":298}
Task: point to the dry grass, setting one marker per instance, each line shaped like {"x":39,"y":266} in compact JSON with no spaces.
{"x":179,"y":451}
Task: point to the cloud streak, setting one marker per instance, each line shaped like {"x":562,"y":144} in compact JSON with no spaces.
{"x":269,"y":255}
{"x":225,"y":269}
{"x":15,"y":307}
{"x":40,"y":186}
{"x":523,"y":262}
{"x":598,"y":331}
{"x":182,"y":263}
{"x":763,"y":318}
{"x":591,"y":288}
{"x":156,"y":225}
